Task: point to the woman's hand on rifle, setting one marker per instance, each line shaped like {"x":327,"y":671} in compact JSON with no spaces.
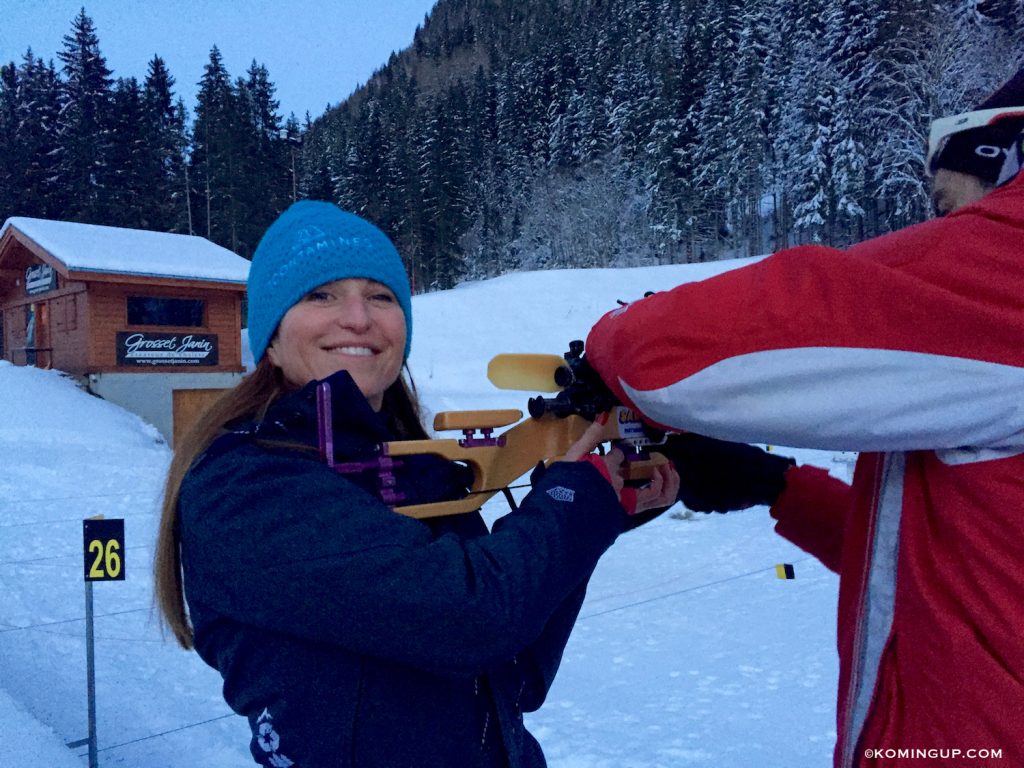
{"x":661,"y":491}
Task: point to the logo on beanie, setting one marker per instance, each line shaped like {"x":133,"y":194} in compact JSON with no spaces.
{"x":303,"y":251}
{"x":312,"y":240}
{"x":307,"y":233}
{"x":331,"y":244}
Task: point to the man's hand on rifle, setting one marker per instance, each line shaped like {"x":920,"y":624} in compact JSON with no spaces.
{"x":719,"y":476}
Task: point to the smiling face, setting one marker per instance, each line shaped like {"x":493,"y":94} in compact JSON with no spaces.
{"x":356,"y":325}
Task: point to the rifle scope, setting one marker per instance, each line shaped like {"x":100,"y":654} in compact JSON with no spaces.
{"x":583,"y":393}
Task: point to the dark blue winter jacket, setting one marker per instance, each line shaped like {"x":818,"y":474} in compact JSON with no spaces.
{"x":350,"y":635}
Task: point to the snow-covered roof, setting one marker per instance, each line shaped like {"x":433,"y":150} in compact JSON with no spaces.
{"x":94,"y":248}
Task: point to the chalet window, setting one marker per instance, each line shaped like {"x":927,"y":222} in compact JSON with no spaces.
{"x":151,"y":310}
{"x":30,"y":334}
{"x":30,"y":325}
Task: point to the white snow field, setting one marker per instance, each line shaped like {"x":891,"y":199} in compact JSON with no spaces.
{"x":688,"y":652}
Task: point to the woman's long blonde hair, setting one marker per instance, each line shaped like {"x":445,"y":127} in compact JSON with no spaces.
{"x":250,"y":399}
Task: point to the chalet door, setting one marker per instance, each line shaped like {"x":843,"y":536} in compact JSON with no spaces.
{"x":188,"y":406}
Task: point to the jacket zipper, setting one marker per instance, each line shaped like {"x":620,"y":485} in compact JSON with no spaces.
{"x":847,"y":752}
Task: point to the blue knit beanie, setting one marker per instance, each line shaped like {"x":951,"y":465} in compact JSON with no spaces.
{"x":310,"y":244}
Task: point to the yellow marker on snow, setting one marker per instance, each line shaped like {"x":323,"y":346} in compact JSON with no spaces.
{"x":785,"y":571}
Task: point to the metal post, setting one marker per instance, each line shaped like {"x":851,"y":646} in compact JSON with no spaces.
{"x":90,"y":660}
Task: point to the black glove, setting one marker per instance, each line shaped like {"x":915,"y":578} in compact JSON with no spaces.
{"x":719,"y":476}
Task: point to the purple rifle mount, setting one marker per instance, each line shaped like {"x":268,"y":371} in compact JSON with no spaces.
{"x":382,"y":462}
{"x":470,"y":440}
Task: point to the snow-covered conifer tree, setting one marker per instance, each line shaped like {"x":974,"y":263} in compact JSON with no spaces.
{"x":83,"y":126}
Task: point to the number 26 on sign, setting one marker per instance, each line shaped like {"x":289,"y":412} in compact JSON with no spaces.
{"x":104,"y":549}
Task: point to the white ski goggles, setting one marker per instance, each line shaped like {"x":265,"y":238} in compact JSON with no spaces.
{"x":945,"y":127}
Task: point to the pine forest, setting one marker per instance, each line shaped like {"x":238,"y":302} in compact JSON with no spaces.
{"x":533,"y":134}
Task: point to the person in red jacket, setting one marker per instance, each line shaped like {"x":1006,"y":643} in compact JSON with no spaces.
{"x":908,"y":348}
{"x":968,"y":154}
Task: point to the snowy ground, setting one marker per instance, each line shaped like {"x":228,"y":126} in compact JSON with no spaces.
{"x":689,"y":651}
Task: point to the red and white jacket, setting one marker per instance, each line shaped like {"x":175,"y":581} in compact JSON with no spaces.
{"x":910,"y":349}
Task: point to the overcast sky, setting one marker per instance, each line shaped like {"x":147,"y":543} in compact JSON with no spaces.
{"x":317,"y":51}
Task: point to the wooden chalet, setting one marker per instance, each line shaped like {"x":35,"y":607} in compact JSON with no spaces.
{"x":130,"y":313}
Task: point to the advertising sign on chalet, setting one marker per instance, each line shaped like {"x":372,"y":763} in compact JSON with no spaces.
{"x":147,"y":349}
{"x":39,"y":278}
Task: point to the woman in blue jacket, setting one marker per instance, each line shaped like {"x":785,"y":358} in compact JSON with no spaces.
{"x":349,"y":635}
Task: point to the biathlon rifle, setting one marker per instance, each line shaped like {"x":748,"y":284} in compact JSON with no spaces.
{"x":553,"y":425}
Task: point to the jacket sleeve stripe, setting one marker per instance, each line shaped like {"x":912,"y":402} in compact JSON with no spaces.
{"x":845,"y":399}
